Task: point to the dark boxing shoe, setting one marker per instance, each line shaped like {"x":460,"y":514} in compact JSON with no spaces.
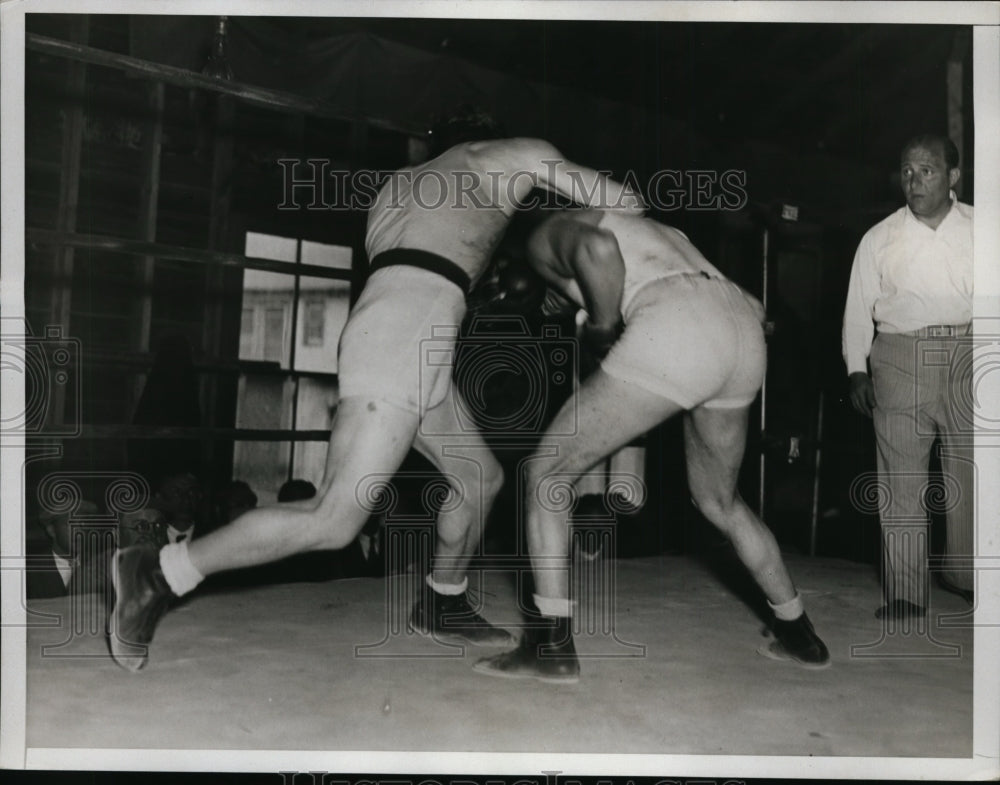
{"x":141,"y":597}
{"x":546,"y":654}
{"x":450,"y":617}
{"x":966,"y":594}
{"x":797,"y":641}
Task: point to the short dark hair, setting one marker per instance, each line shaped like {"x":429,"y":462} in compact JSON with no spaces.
{"x":939,"y":142}
{"x":466,"y":124}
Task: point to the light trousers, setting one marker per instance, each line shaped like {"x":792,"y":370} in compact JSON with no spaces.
{"x":923,"y":391}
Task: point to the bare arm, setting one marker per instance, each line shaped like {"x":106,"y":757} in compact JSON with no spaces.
{"x":599,"y":269}
{"x":587,"y":186}
{"x":536,"y":163}
{"x":583,"y":260}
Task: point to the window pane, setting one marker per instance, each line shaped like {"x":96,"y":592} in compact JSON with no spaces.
{"x":247,"y":349}
{"x":317,"y":400}
{"x":263,"y":466}
{"x":264,"y":402}
{"x":322,"y":315}
{"x":313,"y":314}
{"x":338,"y":256}
{"x":265,"y":331}
{"x":274,"y":333}
{"x":269,"y":246}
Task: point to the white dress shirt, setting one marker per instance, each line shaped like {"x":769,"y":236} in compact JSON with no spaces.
{"x":907,"y":276}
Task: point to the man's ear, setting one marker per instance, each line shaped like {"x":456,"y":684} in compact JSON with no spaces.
{"x":953,"y":175}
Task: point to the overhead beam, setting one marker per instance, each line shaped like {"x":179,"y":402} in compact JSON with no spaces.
{"x":181,"y":77}
{"x":182,"y":253}
{"x":179,"y":432}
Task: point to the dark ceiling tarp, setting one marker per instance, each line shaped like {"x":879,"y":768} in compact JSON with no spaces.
{"x":363,"y":74}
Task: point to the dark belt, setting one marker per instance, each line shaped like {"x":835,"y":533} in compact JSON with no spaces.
{"x":425,"y":261}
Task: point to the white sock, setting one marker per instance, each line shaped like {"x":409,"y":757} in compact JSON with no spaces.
{"x":181,"y":575}
{"x":64,"y":566}
{"x":788,"y":611}
{"x":553,"y":606}
{"x":450,"y":589}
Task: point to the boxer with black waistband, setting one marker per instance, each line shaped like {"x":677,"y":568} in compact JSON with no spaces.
{"x":432,"y":229}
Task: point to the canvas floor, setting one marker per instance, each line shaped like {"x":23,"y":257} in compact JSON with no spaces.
{"x":669,"y":665}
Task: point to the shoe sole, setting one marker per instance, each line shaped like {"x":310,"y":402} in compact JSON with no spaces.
{"x":122,"y":653}
{"x":522,"y":676}
{"x":773,"y":651}
{"x":457,"y":638}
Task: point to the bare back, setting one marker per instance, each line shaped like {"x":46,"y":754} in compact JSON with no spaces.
{"x":448,"y":206}
{"x":649,"y":250}
{"x":652,"y":250}
{"x":458,"y":204}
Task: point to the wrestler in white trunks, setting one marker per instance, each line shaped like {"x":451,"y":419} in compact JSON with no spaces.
{"x":678,"y":337}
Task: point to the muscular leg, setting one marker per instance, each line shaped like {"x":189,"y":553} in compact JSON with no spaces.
{"x":442,"y":609}
{"x":369,"y":441}
{"x":369,"y":438}
{"x":469,"y":467}
{"x":610,"y":414}
{"x":604,"y":415}
{"x":714,"y":441}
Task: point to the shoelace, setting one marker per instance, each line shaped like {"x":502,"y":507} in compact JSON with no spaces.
{"x":465,"y":604}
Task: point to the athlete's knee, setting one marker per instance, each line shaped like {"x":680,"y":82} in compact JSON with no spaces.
{"x":551,"y":485}
{"x":717,"y":506}
{"x":332,"y":525}
{"x":475,"y":481}
{"x":493,"y":478}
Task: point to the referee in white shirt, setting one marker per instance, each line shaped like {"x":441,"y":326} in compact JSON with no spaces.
{"x":908,"y":313}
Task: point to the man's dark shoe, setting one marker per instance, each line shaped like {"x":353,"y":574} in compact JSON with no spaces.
{"x":901,"y":609}
{"x":545,"y":653}
{"x":797,"y":641}
{"x":966,"y":594}
{"x":450,"y":617}
{"x":141,"y":597}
